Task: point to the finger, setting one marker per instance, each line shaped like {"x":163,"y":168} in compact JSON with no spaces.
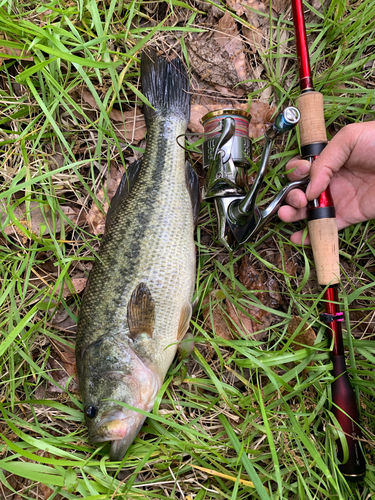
{"x":331,"y":159}
{"x":290,"y":214}
{"x":300,"y":169}
{"x":296,"y":198}
{"x":297,"y":238}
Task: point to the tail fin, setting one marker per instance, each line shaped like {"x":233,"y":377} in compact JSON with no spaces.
{"x":166,"y":86}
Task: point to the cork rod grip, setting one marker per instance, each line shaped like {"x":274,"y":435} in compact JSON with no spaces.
{"x":325,"y":244}
{"x":312,"y":126}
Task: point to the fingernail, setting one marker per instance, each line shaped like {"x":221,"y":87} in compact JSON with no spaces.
{"x":303,"y":171}
{"x":308,"y":191}
{"x":294,"y":201}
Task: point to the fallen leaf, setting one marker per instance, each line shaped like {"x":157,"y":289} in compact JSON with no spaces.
{"x":63,"y":321}
{"x":78,"y":285}
{"x":96,"y":217}
{"x":254,"y":35}
{"x":257,"y":279}
{"x":307,"y":336}
{"x":46,"y":490}
{"x":253,"y":319}
{"x":228,"y":39}
{"x":41,"y":218}
{"x":14,"y":53}
{"x":129,"y":125}
{"x":259,"y":320}
{"x":248,"y":327}
{"x":89,"y":99}
{"x":284,"y":259}
{"x":62,"y":366}
{"x":218,"y":57}
{"x":218,"y":323}
{"x":261,"y":118}
{"x":304,"y":339}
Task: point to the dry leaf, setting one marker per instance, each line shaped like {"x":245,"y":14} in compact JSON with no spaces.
{"x":304,"y":339}
{"x":228,"y":39}
{"x":223,"y":326}
{"x":279,"y":6}
{"x":37,"y":223}
{"x":307,"y":336}
{"x":129,"y":125}
{"x":250,"y":326}
{"x":95,"y":217}
{"x":89,"y":98}
{"x":11,"y":53}
{"x":253,"y":35}
{"x":62,"y":365}
{"x":285,"y":259}
{"x":78,"y":284}
{"x":218,"y":57}
{"x":261,"y":118}
{"x":46,"y":490}
{"x":257,"y":278}
{"x":62,"y":320}
{"x":219,"y":325}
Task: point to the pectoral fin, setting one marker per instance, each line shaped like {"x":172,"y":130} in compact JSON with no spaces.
{"x":141,"y":312}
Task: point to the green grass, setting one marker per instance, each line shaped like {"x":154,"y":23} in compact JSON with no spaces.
{"x":254,"y":414}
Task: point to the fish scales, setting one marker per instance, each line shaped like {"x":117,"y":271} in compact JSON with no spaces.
{"x":149,"y":241}
{"x":149,"y":244}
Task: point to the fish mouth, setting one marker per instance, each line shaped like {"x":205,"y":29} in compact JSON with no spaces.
{"x":120,"y":447}
{"x":112,"y":427}
{"x":121,"y":428}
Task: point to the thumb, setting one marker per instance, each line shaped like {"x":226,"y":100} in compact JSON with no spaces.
{"x":330,"y":160}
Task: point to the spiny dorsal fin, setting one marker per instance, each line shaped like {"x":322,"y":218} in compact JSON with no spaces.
{"x":141,"y":312}
{"x":192,"y":184}
{"x":125,"y":186}
{"x":184,"y":322}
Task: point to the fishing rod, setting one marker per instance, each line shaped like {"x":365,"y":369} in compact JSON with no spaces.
{"x":325,"y":244}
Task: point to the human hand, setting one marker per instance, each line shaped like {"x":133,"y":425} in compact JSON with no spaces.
{"x":347,"y":165}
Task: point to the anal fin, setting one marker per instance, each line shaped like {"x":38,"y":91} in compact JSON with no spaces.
{"x":185,"y":316}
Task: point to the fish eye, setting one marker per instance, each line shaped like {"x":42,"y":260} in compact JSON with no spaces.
{"x":90,"y":411}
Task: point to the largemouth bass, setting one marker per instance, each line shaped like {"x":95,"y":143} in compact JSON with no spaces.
{"x":137,"y":304}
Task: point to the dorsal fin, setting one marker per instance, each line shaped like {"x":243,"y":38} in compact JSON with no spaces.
{"x":192,"y":184}
{"x":127,"y":182}
{"x":141,"y":312}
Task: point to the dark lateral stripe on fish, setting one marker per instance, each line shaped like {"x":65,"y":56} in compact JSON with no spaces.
{"x":151,"y":174}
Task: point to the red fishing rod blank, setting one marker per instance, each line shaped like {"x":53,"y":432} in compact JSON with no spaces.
{"x":325,"y":244}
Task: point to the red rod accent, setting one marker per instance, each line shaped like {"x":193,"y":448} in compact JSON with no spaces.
{"x":331,"y":298}
{"x":305,"y":78}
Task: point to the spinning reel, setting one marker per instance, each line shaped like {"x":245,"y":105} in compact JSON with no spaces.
{"x":227,"y":151}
